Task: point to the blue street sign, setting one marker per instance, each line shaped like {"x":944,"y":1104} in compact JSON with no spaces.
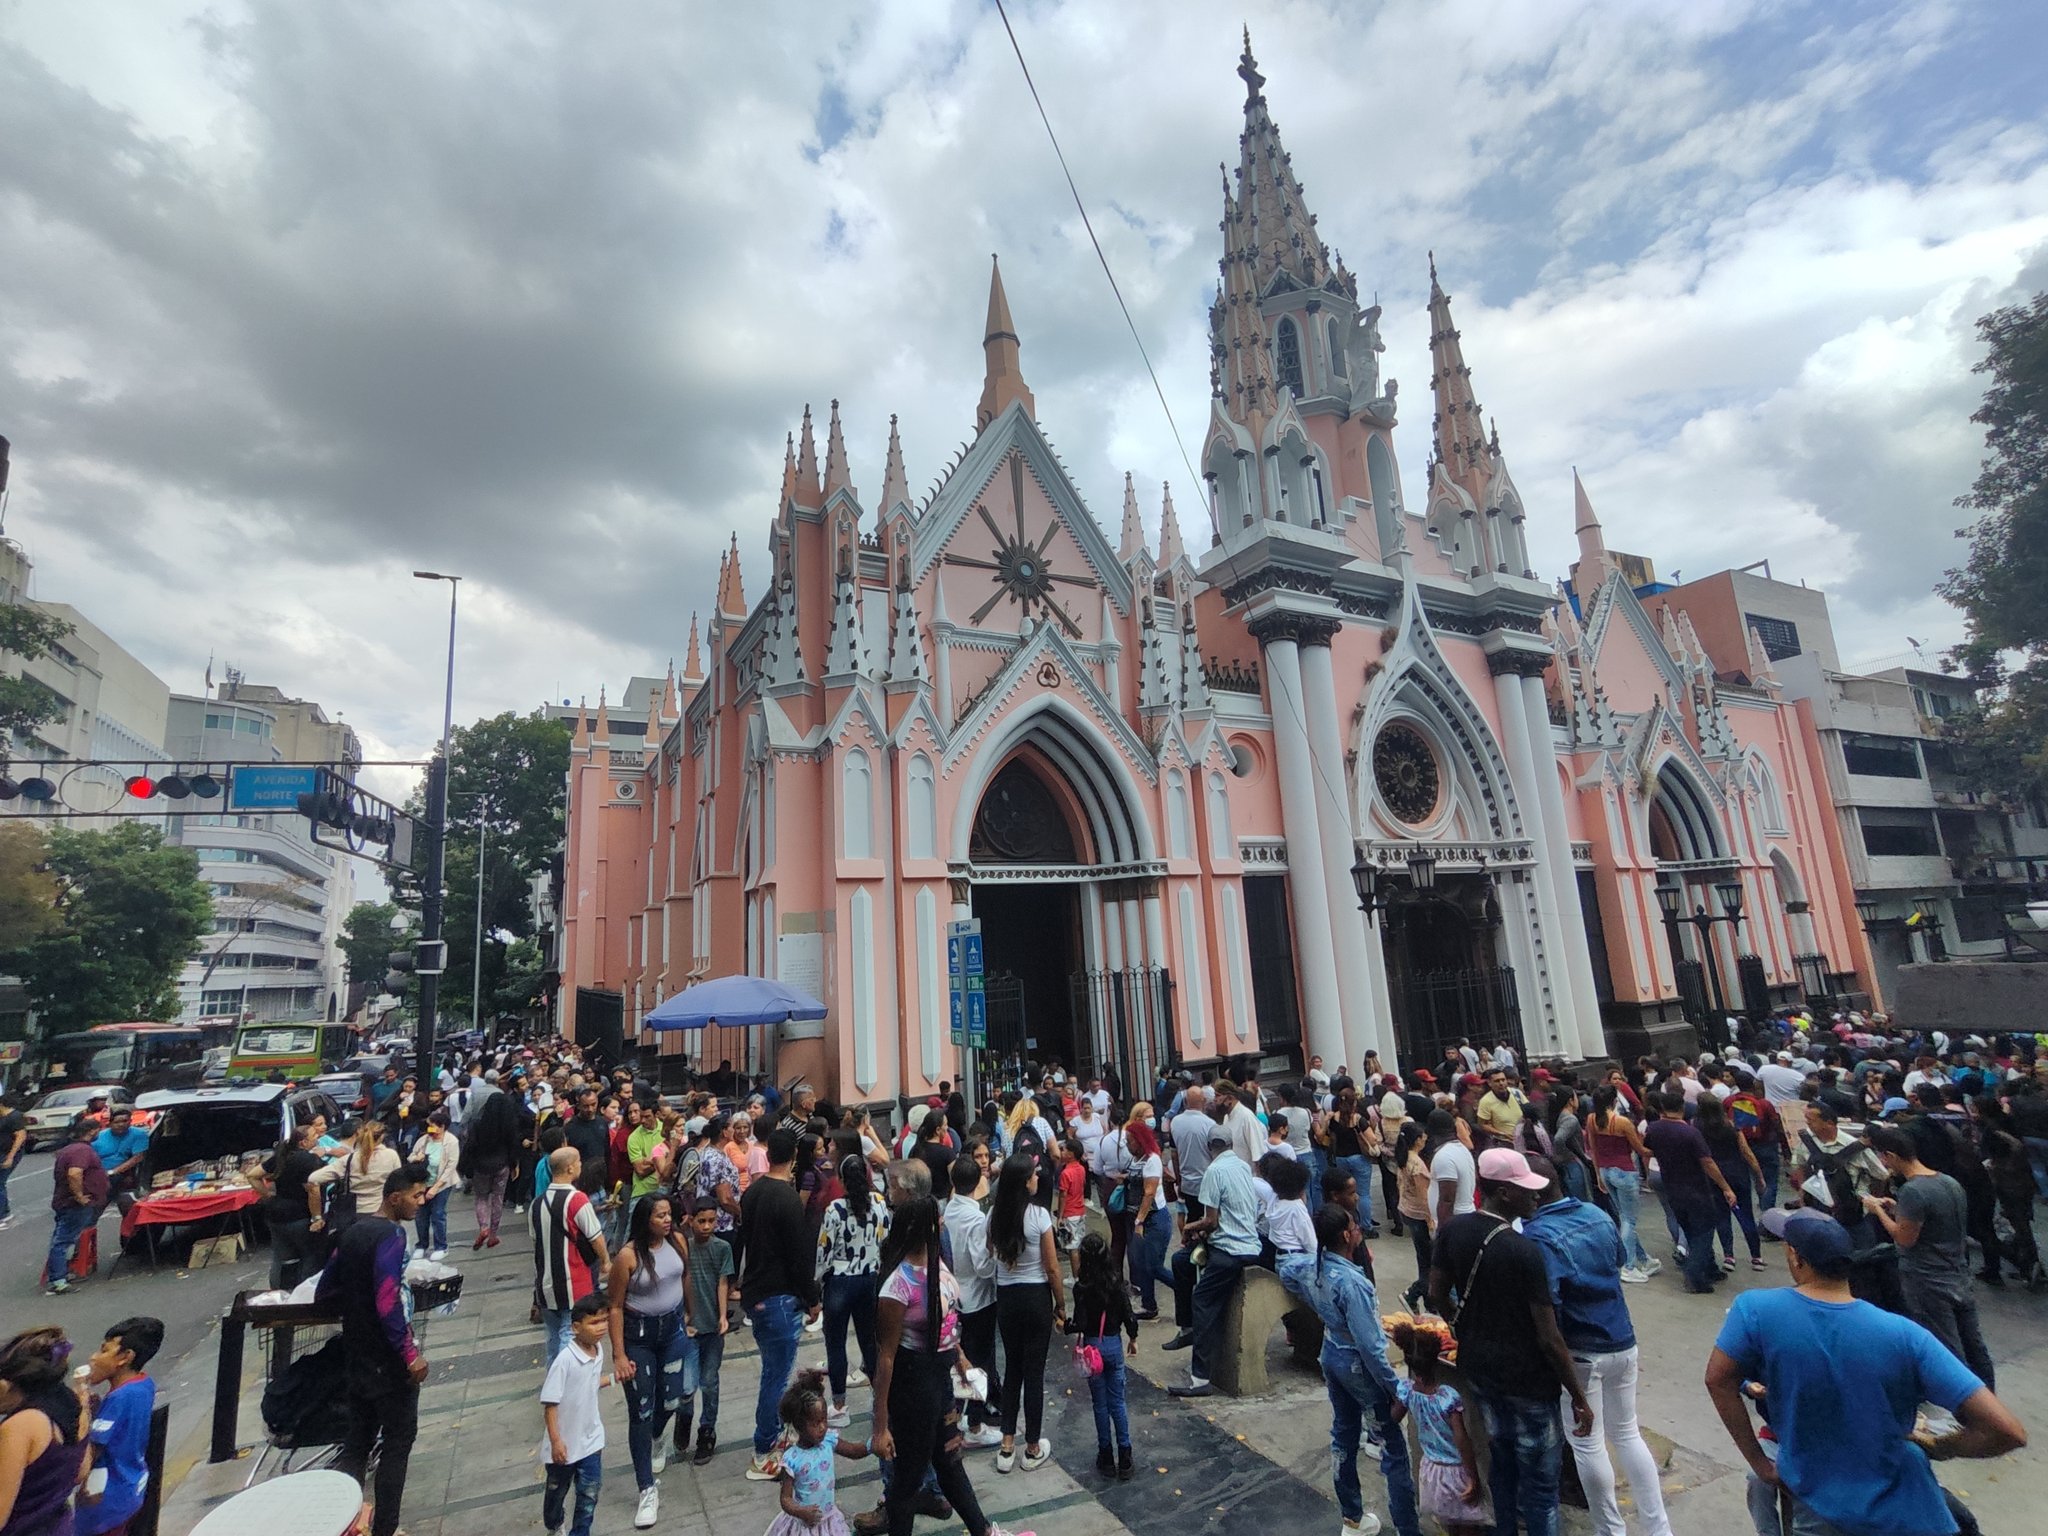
{"x":977,"y":1020}
{"x":266,"y":787}
{"x":958,"y":1011}
{"x":972,"y":942}
{"x":953,"y":947}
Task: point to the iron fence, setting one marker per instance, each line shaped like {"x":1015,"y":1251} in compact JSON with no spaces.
{"x":1755,"y":986}
{"x":1437,"y":1009}
{"x":1124,"y":1023}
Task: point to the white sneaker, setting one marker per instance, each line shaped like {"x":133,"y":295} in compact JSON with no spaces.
{"x":856,"y":1377}
{"x":764,"y":1469}
{"x":981,"y":1439}
{"x":1006,"y":1461}
{"x":1653,"y":1268}
{"x":815,"y":1325}
{"x":660,"y":1461}
{"x":419,"y":1253}
{"x":1367,"y":1524}
{"x":437,"y":1255}
{"x":1034,"y":1460}
{"x":1633,"y":1275}
{"x":837,"y":1417}
{"x":650,"y":1506}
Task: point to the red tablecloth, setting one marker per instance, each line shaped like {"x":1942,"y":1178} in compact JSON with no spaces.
{"x":170,"y":1210}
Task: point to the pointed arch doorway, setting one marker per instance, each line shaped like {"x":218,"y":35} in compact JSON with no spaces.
{"x":1030,"y":927}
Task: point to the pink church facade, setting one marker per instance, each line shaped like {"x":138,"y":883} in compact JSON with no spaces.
{"x":1159,"y":777}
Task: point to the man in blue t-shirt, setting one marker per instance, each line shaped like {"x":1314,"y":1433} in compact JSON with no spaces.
{"x":119,"y":1148}
{"x":1841,"y":1382}
{"x":119,"y":1468}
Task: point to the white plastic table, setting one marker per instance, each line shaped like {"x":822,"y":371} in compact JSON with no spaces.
{"x":299,"y":1504}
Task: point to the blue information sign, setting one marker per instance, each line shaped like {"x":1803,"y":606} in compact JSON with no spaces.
{"x":270,"y":787}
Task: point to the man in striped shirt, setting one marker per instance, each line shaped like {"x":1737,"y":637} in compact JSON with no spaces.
{"x":569,"y":1254}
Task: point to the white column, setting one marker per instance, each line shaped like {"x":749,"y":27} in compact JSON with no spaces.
{"x":1367,"y":1025}
{"x":1546,"y":1001}
{"x":1307,"y":889}
{"x":1585,"y":1036}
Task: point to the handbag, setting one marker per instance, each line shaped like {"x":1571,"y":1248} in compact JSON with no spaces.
{"x":1087,"y":1358}
{"x":338,"y":1205}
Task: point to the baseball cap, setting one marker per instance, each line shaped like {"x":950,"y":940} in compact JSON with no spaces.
{"x":1504,"y":1165}
{"x":1218,"y":1137}
{"x":1424,"y":1075}
{"x":1785,"y":1056}
{"x":1894,"y":1106}
{"x":1820,"y":1240}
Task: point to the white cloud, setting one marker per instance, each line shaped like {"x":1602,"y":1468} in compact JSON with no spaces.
{"x":304,"y":297}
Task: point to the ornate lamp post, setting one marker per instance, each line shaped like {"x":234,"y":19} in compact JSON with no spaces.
{"x":1729,"y":894}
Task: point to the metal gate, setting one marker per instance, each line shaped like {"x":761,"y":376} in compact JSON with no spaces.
{"x":1440,"y":1008}
{"x":1127,"y":1016}
{"x":1756,"y":986}
{"x":1692,"y":993}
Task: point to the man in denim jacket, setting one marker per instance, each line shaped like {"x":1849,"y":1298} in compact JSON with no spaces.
{"x":1582,"y":1253}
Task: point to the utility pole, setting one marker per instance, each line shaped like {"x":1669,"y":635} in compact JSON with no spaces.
{"x":432,"y":950}
{"x":476,"y":962}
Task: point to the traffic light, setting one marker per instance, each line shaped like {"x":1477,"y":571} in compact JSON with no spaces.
{"x":173,"y":786}
{"x":35,"y":789}
{"x":401,"y":970}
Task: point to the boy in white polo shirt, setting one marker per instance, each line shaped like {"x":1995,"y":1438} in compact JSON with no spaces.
{"x":574,"y":1447}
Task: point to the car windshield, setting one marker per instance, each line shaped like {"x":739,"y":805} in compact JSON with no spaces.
{"x":67,"y":1098}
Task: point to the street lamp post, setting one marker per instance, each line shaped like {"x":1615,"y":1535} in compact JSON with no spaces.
{"x":1729,"y":892}
{"x":476,"y":962}
{"x":432,"y":900}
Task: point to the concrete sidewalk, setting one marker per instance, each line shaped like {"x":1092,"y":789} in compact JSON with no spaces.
{"x":1217,"y":1465}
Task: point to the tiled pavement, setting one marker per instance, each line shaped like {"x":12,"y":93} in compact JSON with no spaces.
{"x":1215,"y":1466}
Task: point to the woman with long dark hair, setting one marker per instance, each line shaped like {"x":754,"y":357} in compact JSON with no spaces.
{"x":1030,"y":1302}
{"x":1414,"y":1200}
{"x":917,"y":1322}
{"x":1739,"y":1167}
{"x":649,"y":1343}
{"x":42,"y":1433}
{"x":850,"y":1245}
{"x":1615,"y":1143}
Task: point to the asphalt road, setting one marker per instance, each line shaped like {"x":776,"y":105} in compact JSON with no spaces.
{"x":186,"y":1300}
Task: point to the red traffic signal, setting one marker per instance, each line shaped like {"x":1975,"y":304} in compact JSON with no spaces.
{"x":142,"y":786}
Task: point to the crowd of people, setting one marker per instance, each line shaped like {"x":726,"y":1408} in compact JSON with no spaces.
{"x":943,"y":1256}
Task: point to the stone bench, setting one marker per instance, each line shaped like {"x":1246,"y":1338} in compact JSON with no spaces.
{"x":1259,"y":1306}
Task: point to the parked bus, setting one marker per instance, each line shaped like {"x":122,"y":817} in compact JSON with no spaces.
{"x":140,"y":1057}
{"x":295,"y":1050}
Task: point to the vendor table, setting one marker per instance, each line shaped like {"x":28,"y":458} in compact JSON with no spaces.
{"x":166,"y":1209}
{"x":300,"y":1504}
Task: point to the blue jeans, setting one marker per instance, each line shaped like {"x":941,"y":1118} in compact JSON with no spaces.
{"x":1318,"y":1165}
{"x":555,"y":1320}
{"x":1625,"y":1189}
{"x":1148,"y":1257}
{"x":849,"y":1299}
{"x":1767,"y":1163}
{"x":1573,"y":1172}
{"x":701,"y":1363}
{"x":1355,"y":1401}
{"x":1764,"y":1513}
{"x":1365,"y":1171}
{"x":1695,"y":1221}
{"x":1106,"y":1392}
{"x":432,"y":1222}
{"x":2037,"y":1159}
{"x":777,"y":1322}
{"x":588,"y":1477}
{"x":6,"y":1173}
{"x":1525,"y":1438}
{"x":655,"y":1343}
{"x":65,"y":1227}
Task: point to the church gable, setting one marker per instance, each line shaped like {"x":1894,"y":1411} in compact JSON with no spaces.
{"x":1628,"y":657}
{"x":1009,"y":515}
{"x":1046,"y":661}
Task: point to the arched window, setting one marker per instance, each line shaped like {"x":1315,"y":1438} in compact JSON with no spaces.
{"x":1338,"y":366}
{"x":1180,"y":816}
{"x":922,"y":808}
{"x":857,"y":808}
{"x":1220,"y":843}
{"x":1288,"y":351}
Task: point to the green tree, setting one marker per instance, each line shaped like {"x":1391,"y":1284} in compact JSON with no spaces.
{"x":367,"y":941}
{"x":28,"y":891}
{"x":2002,"y":587}
{"x":27,"y":634}
{"x":508,"y":780}
{"x":130,"y":912}
{"x":518,"y":986}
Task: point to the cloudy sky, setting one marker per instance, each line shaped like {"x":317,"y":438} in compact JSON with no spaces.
{"x":300,"y":297}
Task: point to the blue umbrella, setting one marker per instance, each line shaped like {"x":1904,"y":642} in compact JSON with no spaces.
{"x":735,"y":1000}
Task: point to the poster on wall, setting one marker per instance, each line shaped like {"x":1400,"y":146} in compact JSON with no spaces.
{"x":800,"y":961}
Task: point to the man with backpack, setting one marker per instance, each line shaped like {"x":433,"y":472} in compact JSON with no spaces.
{"x":1847,"y":1168}
{"x":1928,"y":1219}
{"x":570,"y":1256}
